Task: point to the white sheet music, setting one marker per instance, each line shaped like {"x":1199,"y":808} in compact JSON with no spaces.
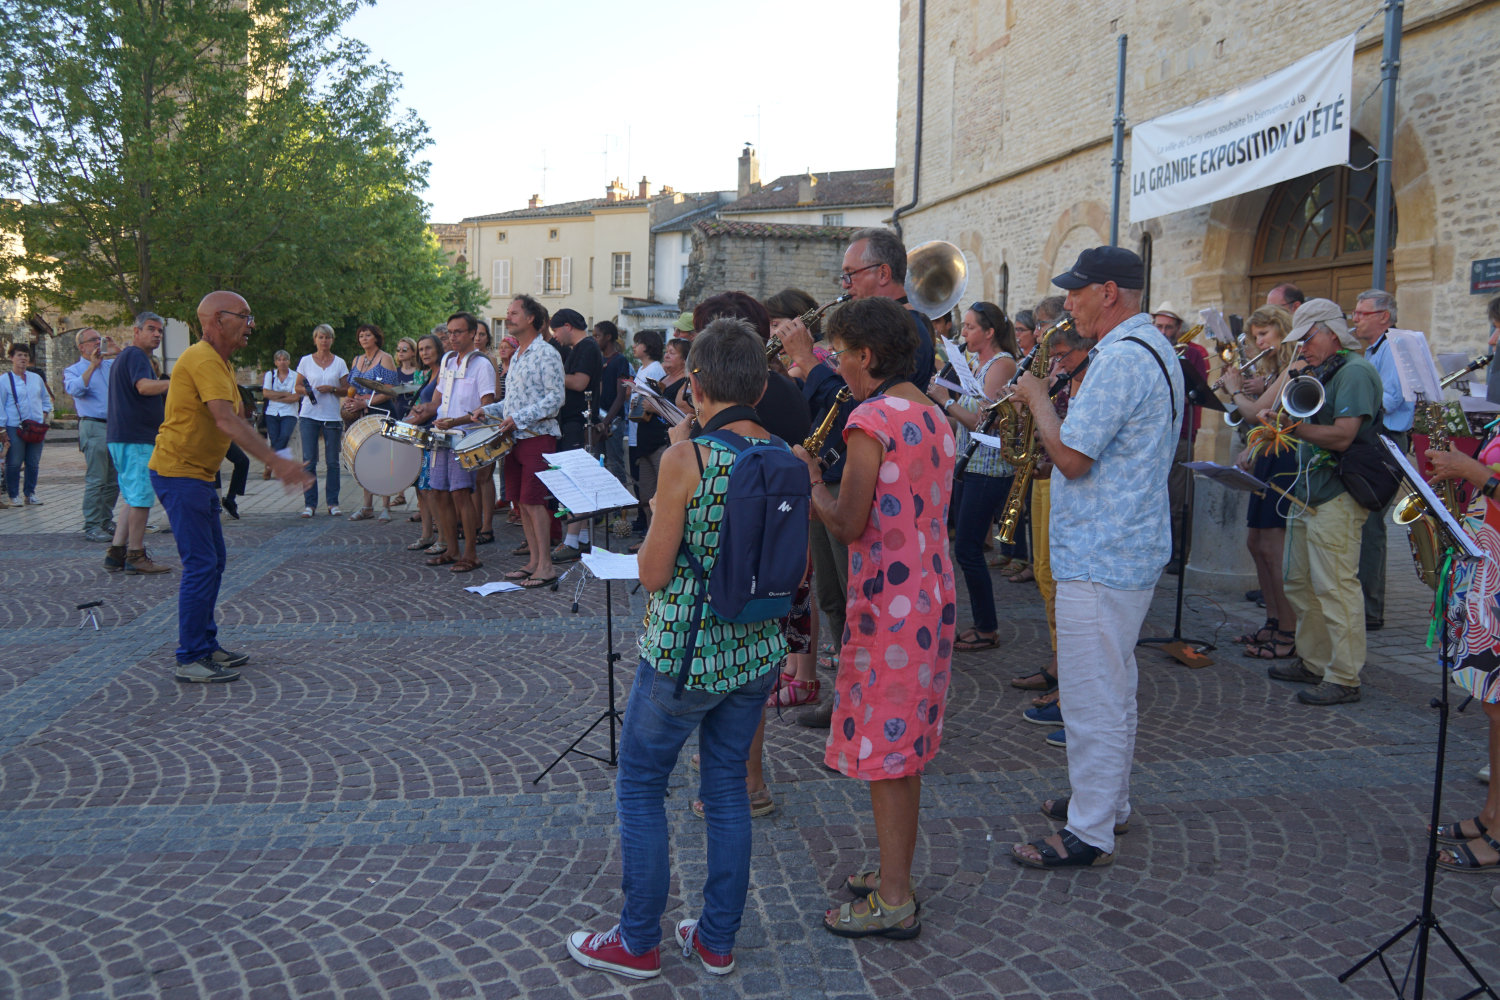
{"x":667,"y":409}
{"x":1217,"y":328}
{"x":970,"y":384}
{"x":988,"y":440}
{"x":584,"y":488}
{"x":1229,"y":475}
{"x":1469,"y":550}
{"x":493,"y":587}
{"x":574,"y":460}
{"x":1414,"y":365}
{"x":608,"y":565}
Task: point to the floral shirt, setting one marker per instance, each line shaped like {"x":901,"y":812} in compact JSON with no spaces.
{"x":533,"y":391}
{"x":1112,"y":525}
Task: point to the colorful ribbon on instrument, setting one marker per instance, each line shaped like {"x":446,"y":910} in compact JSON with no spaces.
{"x":1271,"y":439}
{"x":1440,"y":600}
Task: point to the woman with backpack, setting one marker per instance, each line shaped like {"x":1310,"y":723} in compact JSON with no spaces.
{"x":713,"y":679}
{"x":892,"y":512}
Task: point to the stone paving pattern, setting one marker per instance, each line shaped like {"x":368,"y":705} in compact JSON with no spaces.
{"x":356,"y":817}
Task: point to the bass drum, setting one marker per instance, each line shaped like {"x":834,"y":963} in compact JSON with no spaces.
{"x":380,"y":465}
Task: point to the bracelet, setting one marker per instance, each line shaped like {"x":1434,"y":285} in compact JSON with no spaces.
{"x":1490,"y":486}
{"x":819,"y":482}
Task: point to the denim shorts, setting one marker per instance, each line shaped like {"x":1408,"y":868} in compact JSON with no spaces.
{"x":131,"y":469}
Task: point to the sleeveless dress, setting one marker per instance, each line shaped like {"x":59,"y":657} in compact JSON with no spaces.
{"x":898,"y":641}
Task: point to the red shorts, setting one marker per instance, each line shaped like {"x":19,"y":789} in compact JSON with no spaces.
{"x":522,"y":464}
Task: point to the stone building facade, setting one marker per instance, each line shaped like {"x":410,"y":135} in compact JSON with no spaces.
{"x":1016,"y":149}
{"x":761,"y":258}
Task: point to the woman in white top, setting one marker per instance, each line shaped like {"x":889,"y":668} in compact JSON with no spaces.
{"x":23,"y":396}
{"x":280,"y":387}
{"x":322,"y":377}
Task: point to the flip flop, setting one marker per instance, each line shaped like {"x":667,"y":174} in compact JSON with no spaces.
{"x":465,"y":566}
{"x":517,"y":575}
{"x":440,"y":560}
{"x":533,"y":582}
{"x":975,"y":641}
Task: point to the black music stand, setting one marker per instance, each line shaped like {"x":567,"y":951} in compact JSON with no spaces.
{"x":1189,"y":652}
{"x":1426,"y":921}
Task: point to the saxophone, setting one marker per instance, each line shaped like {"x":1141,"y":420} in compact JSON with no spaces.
{"x":815,"y":441}
{"x":1025,"y":450}
{"x":1411,"y":512}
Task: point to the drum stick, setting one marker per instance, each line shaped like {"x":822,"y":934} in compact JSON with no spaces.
{"x":1305,"y":508}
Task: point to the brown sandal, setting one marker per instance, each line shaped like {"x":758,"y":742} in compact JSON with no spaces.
{"x":465,"y":566}
{"x":440,"y":560}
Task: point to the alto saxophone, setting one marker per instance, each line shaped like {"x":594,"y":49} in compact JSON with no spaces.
{"x":807,"y":319}
{"x":815,"y":441}
{"x":1024,"y":453}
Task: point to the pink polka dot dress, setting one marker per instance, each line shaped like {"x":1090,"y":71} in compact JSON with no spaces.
{"x":898,"y":641}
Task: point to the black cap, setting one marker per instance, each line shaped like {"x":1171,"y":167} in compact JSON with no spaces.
{"x":568,"y":317}
{"x":1101,"y":264}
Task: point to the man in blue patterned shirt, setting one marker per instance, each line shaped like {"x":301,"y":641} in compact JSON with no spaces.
{"x":1110,"y":537}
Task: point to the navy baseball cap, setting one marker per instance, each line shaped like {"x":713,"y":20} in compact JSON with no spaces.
{"x":568,"y":317}
{"x":1101,"y":264}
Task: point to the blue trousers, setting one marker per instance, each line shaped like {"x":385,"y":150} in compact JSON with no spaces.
{"x":21,"y":455}
{"x":657,"y":723}
{"x":192,"y":505}
{"x":331,"y":433}
{"x":982,"y":497}
{"x":279,"y":431}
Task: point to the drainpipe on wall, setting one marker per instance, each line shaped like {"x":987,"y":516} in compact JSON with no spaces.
{"x":1390,"y":70}
{"x":916,"y":155}
{"x":1118,"y":163}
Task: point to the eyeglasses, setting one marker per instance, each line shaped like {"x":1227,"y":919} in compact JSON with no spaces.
{"x":832,"y":360}
{"x":247,"y":317}
{"x":1356,"y":314}
{"x":847,"y":278}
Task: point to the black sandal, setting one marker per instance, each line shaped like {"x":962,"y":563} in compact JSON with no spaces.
{"x":1057,"y":811}
{"x":1039,"y":681}
{"x":1273,"y":650}
{"x":1465,"y":860}
{"x":1261,"y":636}
{"x":1452,"y":833}
{"x":1080,"y":855}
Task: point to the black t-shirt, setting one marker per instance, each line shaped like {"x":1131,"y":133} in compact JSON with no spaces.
{"x":616,"y":367}
{"x":132,"y":417}
{"x":783,"y":410}
{"x":584,"y":358}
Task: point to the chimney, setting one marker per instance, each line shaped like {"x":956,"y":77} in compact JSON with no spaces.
{"x":535,"y":202}
{"x":615,"y":192}
{"x":645,"y":187}
{"x":805,"y":185}
{"x":749,"y":172}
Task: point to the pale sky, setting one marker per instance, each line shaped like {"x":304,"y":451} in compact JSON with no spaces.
{"x":669,"y":89}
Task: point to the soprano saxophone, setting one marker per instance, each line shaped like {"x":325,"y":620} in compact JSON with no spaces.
{"x":815,"y":441}
{"x":1026,"y":450}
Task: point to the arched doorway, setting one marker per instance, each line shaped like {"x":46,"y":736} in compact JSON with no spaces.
{"x":1318,"y":232}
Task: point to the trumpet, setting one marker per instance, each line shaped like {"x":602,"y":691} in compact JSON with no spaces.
{"x":807,"y":319}
{"x":1246,"y":366}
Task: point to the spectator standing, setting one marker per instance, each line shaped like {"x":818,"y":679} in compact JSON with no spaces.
{"x":87,"y":381}
{"x":137,"y":396}
{"x":321,"y":377}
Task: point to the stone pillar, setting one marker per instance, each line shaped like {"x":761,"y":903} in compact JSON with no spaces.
{"x":1219,"y":559}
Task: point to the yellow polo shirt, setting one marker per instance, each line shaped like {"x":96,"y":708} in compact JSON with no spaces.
{"x":190,"y":444}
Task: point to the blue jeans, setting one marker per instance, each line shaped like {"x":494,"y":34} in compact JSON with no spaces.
{"x":279,"y":431}
{"x":982,"y":497}
{"x":656,"y":726}
{"x":331,"y":432}
{"x":21,"y":453}
{"x":192,"y":505}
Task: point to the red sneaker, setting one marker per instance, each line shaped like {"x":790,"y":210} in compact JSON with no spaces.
{"x":606,"y":951}
{"x":687,"y":937}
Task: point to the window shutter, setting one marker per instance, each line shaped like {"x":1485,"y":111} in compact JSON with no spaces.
{"x":504,"y":276}
{"x":567,"y":275}
{"x":496,"y":269}
{"x":539,"y":286}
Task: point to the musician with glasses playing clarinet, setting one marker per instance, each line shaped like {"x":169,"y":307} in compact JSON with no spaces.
{"x":1323,"y":547}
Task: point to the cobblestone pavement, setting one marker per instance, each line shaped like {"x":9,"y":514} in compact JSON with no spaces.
{"x":356,"y":817}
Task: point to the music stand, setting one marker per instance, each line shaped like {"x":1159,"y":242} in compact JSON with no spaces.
{"x":1190,"y":652}
{"x":1457,"y":547}
{"x":578,"y":484}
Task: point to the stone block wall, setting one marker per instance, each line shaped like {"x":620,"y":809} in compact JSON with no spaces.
{"x":761,"y":259}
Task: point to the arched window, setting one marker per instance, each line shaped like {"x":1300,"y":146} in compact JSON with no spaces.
{"x":1318,"y":231}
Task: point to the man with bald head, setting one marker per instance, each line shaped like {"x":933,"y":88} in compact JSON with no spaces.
{"x":201,"y":420}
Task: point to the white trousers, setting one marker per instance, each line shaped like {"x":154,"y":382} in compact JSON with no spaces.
{"x":1097,"y":628}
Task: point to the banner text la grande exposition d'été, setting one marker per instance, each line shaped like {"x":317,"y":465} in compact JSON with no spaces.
{"x":1288,"y":124}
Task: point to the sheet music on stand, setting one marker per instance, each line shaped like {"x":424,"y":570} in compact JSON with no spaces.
{"x":606,"y":565}
{"x":968,"y":384}
{"x":1218,"y":329}
{"x":1468,"y":549}
{"x":1414,"y":365}
{"x":582,"y":485}
{"x":1228,"y":475}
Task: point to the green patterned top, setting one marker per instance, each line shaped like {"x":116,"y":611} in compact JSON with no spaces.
{"x":728,"y":655}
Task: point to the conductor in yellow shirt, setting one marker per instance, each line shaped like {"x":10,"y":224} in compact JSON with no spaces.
{"x":201,"y":421}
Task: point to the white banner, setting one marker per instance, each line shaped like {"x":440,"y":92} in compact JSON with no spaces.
{"x":1291,"y":123}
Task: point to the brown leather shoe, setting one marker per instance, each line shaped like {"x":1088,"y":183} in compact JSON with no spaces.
{"x":114,"y":558}
{"x":138,"y":561}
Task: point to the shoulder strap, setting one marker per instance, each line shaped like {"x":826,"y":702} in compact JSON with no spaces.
{"x":1157,"y":358}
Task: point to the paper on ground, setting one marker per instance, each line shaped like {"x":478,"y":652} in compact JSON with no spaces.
{"x":495,"y":587}
{"x":608,"y":565}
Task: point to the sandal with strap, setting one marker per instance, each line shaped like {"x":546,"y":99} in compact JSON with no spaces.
{"x":1260,"y":636}
{"x":791,"y":692}
{"x":1039,"y":681}
{"x":1464,"y":859}
{"x":1080,"y":855}
{"x":363,"y":514}
{"x":880,"y":919}
{"x":1273,"y":650}
{"x":1452,"y":833}
{"x":972,"y":639}
{"x":761,"y":803}
{"x":420,"y":544}
{"x":1057,"y":811}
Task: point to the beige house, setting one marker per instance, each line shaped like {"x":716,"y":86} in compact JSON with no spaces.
{"x":1016,"y":150}
{"x":594,"y":255}
{"x":853,"y":198}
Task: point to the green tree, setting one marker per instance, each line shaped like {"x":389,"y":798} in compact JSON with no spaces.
{"x":159,"y":149}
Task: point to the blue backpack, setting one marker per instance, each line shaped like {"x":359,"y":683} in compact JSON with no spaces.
{"x":762,"y":553}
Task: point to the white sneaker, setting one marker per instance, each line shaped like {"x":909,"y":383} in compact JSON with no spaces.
{"x":335,"y":512}
{"x":1484,"y":774}
{"x":307,"y":512}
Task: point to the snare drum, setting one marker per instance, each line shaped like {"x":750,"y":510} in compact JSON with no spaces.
{"x":480,"y":447}
{"x":380,"y":465}
{"x":411,"y":434}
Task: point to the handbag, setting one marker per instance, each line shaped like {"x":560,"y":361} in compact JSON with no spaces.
{"x":1368,"y":473}
{"x":32,"y":431}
